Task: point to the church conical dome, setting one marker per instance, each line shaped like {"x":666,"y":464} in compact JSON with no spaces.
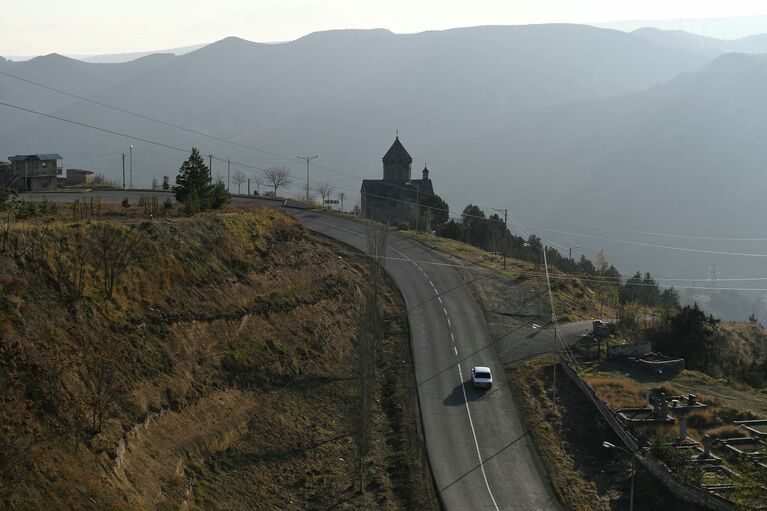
{"x":397,"y":154}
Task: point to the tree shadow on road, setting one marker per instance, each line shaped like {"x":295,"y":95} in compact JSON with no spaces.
{"x":456,"y":397}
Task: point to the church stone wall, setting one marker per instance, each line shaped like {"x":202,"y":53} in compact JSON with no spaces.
{"x":396,"y":172}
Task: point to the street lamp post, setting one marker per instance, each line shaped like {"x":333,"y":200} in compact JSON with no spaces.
{"x":608,"y":445}
{"x":131,"y":166}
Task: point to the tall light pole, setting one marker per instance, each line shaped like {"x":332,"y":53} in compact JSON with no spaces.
{"x":553,"y":318}
{"x":131,"y":166}
{"x":505,"y":220}
{"x":123,"y":171}
{"x":570,"y":252}
{"x":609,"y":445}
{"x":307,"y":159}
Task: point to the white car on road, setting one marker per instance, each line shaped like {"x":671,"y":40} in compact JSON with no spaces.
{"x":481,"y":377}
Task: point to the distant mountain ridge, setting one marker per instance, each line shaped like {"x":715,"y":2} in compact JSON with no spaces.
{"x":567,"y":121}
{"x":265,"y":93}
{"x":681,"y":40}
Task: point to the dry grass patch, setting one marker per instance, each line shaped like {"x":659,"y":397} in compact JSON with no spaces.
{"x":227,"y":323}
{"x":618,"y":392}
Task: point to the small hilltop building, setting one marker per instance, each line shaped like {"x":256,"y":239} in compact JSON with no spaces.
{"x":394,"y":198}
{"x":33,"y":172}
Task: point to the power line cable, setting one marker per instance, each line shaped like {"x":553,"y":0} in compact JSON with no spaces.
{"x":188,"y":130}
{"x":142,"y":116}
{"x":650,"y":245}
{"x":186,"y":151}
{"x":635,"y":231}
{"x":253,"y":167}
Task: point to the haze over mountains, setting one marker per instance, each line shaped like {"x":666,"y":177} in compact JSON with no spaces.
{"x":654,"y":131}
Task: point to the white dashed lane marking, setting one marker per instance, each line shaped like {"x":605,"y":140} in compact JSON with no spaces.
{"x":460,"y":376}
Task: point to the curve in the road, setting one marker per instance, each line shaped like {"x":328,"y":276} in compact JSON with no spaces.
{"x":478,"y":446}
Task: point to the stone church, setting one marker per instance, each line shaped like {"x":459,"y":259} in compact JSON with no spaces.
{"x":393,"y":199}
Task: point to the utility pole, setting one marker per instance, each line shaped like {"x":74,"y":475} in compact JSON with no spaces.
{"x":228,"y":164}
{"x":123,"y":171}
{"x":505,"y":221}
{"x":248,"y":186}
{"x":307,"y":159}
{"x":554,"y":324}
{"x":131,"y":166}
{"x":570,"y":252}
{"x":210,"y":167}
{"x":609,"y":445}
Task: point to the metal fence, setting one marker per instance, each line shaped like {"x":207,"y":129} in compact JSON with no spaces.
{"x":682,"y":489}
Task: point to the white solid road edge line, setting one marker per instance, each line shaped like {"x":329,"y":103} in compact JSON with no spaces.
{"x":460,"y":374}
{"x":474,"y":434}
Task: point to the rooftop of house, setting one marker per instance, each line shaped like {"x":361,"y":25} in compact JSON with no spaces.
{"x":37,"y":156}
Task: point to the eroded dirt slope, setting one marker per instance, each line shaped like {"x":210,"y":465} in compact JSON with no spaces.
{"x":217,"y":376}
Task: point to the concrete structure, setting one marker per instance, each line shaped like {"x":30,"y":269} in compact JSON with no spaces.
{"x":599,"y":329}
{"x":628,"y":350}
{"x":77,"y":177}
{"x":34,"y":172}
{"x":5,"y":171}
{"x":394,"y":198}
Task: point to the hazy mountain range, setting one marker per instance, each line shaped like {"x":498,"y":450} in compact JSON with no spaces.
{"x":726,"y":28}
{"x":651,"y":130}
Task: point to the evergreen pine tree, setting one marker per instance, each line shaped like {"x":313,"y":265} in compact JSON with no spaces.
{"x":193,"y":179}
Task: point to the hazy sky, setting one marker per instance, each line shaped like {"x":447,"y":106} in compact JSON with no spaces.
{"x":33,"y":27}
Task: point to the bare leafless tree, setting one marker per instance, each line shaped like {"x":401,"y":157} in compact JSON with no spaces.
{"x":276,"y":177}
{"x":260,"y":181}
{"x":15,"y":438}
{"x":371,"y":333}
{"x":9,"y":205}
{"x":239,"y":179}
{"x":366,"y":374}
{"x":117,"y":248}
{"x":100,"y":377}
{"x":324,"y":189}
{"x":71,"y":265}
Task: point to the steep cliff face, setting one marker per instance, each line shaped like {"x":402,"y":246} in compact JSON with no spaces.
{"x":221,"y":329}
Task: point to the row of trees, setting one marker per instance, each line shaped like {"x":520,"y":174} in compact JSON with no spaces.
{"x":489,"y":233}
{"x":196,"y":190}
{"x":371,"y":331}
{"x":688,"y":332}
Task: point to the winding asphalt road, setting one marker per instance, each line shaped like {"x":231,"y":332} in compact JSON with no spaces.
{"x":479,"y":450}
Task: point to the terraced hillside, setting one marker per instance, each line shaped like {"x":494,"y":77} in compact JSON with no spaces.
{"x":219,"y":374}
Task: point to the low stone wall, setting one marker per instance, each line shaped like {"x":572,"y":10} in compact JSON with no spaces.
{"x":681,"y":489}
{"x":662,"y":366}
{"x":629,"y":350}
